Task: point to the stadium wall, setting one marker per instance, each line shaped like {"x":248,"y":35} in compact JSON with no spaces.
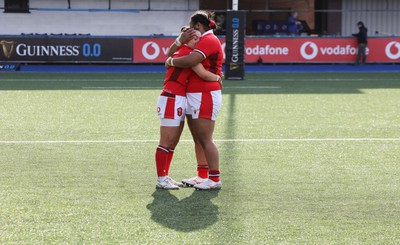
{"x":95,"y":23}
{"x":382,"y":18}
{"x":144,"y":17}
{"x":94,"y":17}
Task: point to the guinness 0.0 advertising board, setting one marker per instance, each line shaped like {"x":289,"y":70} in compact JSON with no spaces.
{"x":66,"y":49}
{"x":235,"y":32}
{"x":47,"y":49}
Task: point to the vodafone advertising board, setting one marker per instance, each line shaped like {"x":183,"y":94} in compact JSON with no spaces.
{"x":329,"y":50}
{"x":151,"y":49}
{"x":155,"y":49}
{"x":285,"y":50}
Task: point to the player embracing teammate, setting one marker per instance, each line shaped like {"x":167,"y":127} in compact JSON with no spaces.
{"x":204,"y":98}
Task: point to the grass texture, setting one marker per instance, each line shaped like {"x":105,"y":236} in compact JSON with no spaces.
{"x":306,"y":158}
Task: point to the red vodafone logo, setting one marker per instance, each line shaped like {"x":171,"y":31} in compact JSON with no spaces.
{"x":150,"y":50}
{"x":309,"y":50}
{"x":392,"y":50}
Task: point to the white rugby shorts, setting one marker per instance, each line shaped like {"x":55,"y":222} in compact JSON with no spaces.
{"x":204,"y":105}
{"x":171,"y":110}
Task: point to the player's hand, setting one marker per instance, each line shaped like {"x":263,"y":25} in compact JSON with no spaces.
{"x":222,"y":75}
{"x":168,"y":62}
{"x":186,"y":35}
{"x":221,"y":78}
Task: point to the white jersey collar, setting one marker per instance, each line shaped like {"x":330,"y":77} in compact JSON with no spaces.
{"x":207,"y":32}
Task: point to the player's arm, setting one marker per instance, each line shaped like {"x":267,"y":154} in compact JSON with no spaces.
{"x":206,"y":75}
{"x":184,"y":37}
{"x":189,"y":60}
{"x":172,"y":49}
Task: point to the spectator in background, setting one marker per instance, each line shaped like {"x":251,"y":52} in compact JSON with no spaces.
{"x":293,"y":23}
{"x":362,"y":43}
{"x":221,"y":24}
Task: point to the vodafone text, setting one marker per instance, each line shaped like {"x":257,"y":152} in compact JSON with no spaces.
{"x":269,"y":50}
{"x":340,"y":50}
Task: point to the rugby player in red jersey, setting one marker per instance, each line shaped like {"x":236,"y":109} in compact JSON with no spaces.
{"x":171,"y":108}
{"x":204,"y":98}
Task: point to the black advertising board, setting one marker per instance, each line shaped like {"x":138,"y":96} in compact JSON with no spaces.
{"x":235,"y":32}
{"x":48,"y":49}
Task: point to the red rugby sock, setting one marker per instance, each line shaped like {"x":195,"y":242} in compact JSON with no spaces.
{"x":214,"y":175}
{"x":202,"y":171}
{"x":161,"y":161}
{"x":169,"y":160}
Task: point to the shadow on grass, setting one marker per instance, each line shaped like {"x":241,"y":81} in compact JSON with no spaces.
{"x":189,"y":214}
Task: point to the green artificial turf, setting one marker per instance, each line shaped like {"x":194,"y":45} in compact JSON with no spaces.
{"x":306,"y":158}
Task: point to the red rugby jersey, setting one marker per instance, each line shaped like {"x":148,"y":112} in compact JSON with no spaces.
{"x":176,"y":78}
{"x":210,"y":48}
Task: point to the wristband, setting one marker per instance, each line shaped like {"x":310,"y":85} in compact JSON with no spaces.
{"x":168,"y":62}
{"x":171,"y":61}
{"x":177,"y":42}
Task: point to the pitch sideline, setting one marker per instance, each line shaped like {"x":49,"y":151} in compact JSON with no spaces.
{"x":216,"y":140}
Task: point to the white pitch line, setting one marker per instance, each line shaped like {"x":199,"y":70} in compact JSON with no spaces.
{"x":121,"y":88}
{"x":322,"y":79}
{"x":73,"y":141}
{"x":251,"y":87}
{"x":216,"y":140}
{"x":308,"y":139}
{"x":73,"y":80}
{"x":147,"y":80}
{"x":238,"y":87}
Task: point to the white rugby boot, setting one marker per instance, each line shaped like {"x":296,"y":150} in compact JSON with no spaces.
{"x":179,"y":184}
{"x":165,"y":183}
{"x":193,"y":181}
{"x":208,"y":185}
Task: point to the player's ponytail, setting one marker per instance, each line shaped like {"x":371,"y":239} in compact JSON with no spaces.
{"x":204,"y":18}
{"x":212,"y":25}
